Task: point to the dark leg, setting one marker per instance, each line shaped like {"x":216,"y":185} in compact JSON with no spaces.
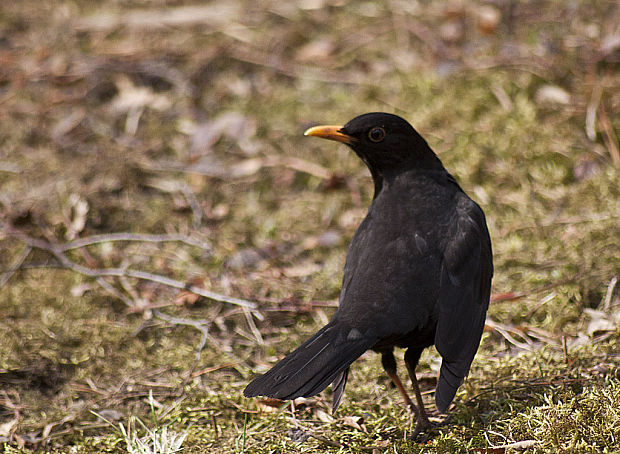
{"x":389,"y":364}
{"x":412,"y":356}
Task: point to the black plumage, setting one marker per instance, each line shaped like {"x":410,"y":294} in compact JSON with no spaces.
{"x":418,"y":272}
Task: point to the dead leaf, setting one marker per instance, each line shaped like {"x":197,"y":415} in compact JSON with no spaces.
{"x":351,"y":218}
{"x":601,"y":322}
{"x":7,"y":427}
{"x":68,"y":123}
{"x":552,"y":94}
{"x":219,"y":211}
{"x":610,"y":44}
{"x":323,"y":416}
{"x":270,"y":405}
{"x":231,"y":125}
{"x":80,"y":289}
{"x":319,"y":49}
{"x":302,"y":270}
{"x":78,"y":209}
{"x":186,"y":298}
{"x":328,"y":239}
{"x":246,"y":168}
{"x":452,"y":31}
{"x":354,"y":421}
{"x":131,"y":97}
{"x":245,"y":258}
{"x":488,"y":18}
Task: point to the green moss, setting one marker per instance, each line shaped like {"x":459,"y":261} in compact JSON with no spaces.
{"x":551,"y":197}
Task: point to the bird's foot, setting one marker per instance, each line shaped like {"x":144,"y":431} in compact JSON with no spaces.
{"x":424,"y":429}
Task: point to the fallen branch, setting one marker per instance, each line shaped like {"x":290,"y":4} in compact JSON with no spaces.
{"x":142,"y":237}
{"x":57,"y":251}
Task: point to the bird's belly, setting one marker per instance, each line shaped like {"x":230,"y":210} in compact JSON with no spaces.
{"x":418,"y":338}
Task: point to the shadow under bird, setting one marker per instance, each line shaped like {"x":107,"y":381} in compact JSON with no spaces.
{"x":418,"y":272}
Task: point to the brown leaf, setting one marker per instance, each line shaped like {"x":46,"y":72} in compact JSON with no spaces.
{"x":355,"y":422}
{"x":319,"y":49}
{"x":488,"y":18}
{"x":270,"y":405}
{"x":185,"y":297}
{"x":323,"y":416}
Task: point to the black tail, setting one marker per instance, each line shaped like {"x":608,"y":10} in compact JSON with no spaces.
{"x":448,"y":384}
{"x":314,"y":365}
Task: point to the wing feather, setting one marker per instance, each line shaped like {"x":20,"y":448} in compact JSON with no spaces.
{"x":464,"y":294}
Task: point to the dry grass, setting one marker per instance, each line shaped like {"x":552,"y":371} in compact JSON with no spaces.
{"x":185,"y":120}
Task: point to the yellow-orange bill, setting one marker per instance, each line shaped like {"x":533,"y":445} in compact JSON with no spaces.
{"x":331,"y":133}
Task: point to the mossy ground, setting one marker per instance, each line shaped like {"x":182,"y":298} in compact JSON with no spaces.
{"x":114,"y":118}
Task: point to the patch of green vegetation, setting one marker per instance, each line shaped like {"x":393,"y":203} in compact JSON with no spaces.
{"x":111,"y":118}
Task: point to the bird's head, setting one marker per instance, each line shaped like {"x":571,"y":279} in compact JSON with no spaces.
{"x":385,"y":142}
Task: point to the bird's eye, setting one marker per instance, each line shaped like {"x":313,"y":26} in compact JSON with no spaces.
{"x":376,"y":134}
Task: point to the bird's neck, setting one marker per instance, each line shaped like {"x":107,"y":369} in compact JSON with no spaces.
{"x":423,"y":162}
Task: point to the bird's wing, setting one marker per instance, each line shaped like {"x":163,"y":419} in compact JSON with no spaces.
{"x":466,"y":274}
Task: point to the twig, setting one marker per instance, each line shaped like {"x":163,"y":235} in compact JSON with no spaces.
{"x":16,"y":265}
{"x":57,"y":252}
{"x":129,"y":289}
{"x":610,"y":292}
{"x":242,"y":168}
{"x":113,"y":291}
{"x":126,"y":236}
{"x":298,"y":164}
{"x":591,"y":109}
{"x":609,"y":137}
{"x":540,"y":304}
{"x":252,"y":325}
{"x":9,"y":167}
{"x":502,"y":97}
{"x":200,"y":325}
{"x":194,"y":204}
{"x":507,"y":333}
{"x":517,"y":446}
{"x":511,"y":296}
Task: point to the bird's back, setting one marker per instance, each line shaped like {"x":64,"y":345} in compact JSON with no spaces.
{"x":391,"y":277}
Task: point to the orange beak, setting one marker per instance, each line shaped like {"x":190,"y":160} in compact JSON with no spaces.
{"x":330,"y":133}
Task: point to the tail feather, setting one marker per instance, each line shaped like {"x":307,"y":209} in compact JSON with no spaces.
{"x":338,"y":386}
{"x":313,"y":366}
{"x":447,"y":385}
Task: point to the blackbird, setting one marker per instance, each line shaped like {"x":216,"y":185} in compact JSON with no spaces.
{"x":418,"y":272}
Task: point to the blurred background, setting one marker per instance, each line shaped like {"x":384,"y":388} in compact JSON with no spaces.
{"x":167,"y":232}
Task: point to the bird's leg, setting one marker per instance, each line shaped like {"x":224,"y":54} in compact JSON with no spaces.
{"x":389,"y":365}
{"x":412,"y":357}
